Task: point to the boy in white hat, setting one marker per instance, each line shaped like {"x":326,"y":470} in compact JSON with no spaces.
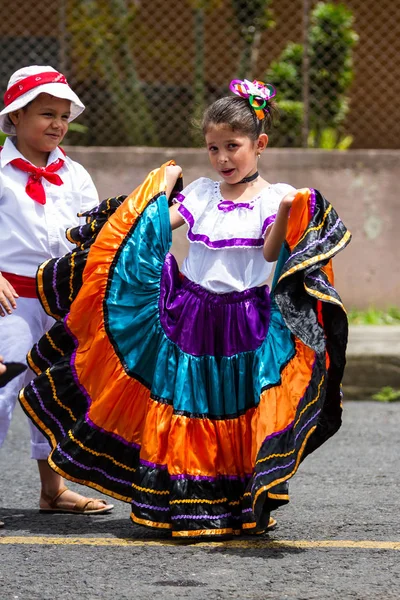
{"x":41,"y":192}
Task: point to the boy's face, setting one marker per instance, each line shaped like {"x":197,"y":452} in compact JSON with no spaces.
{"x":42,"y":125}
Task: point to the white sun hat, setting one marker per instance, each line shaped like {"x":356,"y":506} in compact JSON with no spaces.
{"x":27,"y":83}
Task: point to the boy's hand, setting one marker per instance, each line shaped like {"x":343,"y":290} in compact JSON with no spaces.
{"x":7,"y":297}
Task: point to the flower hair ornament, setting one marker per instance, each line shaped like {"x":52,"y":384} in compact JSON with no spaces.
{"x":257,"y":93}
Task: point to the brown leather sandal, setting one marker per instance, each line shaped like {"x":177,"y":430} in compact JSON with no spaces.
{"x":84,"y":506}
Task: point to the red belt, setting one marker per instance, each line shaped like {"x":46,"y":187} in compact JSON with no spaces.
{"x":24,"y":286}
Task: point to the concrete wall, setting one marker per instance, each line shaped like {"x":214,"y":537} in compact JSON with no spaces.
{"x":363,"y":186}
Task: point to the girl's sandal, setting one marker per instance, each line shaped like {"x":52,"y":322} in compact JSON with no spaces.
{"x":84,"y":506}
{"x":272,"y":524}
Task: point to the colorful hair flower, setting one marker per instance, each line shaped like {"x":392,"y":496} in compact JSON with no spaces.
{"x":257,"y":92}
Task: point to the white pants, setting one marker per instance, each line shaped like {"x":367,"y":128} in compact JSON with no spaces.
{"x":18,"y":333}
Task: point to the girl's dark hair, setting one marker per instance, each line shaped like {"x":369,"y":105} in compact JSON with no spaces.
{"x":239,"y":115}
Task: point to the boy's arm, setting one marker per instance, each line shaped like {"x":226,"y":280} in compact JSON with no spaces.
{"x":90,"y":196}
{"x":7,"y":292}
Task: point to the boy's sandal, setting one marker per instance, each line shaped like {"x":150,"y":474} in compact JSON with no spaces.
{"x":84,"y":506}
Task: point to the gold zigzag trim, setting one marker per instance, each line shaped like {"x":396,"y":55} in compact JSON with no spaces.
{"x":318,"y":258}
{"x":71,"y":277}
{"x":294,"y":426}
{"x":317,"y":227}
{"x":265,"y":488}
{"x":56,"y":398}
{"x":95,"y":453}
{"x":204,"y":501}
{"x":142,"y":489}
{"x":235,"y":502}
{"x":311,"y":402}
{"x":322,"y":296}
{"x":43,"y":299}
{"x":275,"y":456}
{"x":52,"y":344}
{"x":200,"y":501}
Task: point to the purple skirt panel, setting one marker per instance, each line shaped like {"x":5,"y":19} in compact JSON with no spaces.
{"x":202,"y":323}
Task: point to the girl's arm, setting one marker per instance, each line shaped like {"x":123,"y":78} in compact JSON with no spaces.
{"x":175,"y":217}
{"x":172,"y":174}
{"x":276,"y":234}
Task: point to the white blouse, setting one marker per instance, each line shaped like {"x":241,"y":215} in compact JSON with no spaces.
{"x":31,"y":233}
{"x":227,"y":237}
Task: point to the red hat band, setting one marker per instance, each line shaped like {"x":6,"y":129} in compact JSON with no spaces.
{"x":29,"y":83}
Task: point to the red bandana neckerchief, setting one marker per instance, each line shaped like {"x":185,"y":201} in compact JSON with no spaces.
{"x":34,"y":188}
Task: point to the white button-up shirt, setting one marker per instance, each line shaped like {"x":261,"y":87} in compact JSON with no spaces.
{"x":31,"y":233}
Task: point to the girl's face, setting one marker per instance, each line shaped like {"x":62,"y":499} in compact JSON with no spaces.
{"x":233,"y":154}
{"x":41,"y":126}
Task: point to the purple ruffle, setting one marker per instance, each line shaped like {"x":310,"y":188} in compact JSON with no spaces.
{"x":203,"y":323}
{"x":225,"y":243}
{"x":312,"y":202}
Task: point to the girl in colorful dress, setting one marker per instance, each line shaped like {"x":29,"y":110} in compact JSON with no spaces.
{"x":195,"y":394}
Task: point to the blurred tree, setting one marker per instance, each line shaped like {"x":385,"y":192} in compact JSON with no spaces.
{"x":200,"y":8}
{"x":254,"y":17}
{"x":100,"y":32}
{"x":285,"y":75}
{"x":331,"y":40}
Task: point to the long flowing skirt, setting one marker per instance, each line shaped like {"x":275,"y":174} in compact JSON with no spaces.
{"x":194,"y":407}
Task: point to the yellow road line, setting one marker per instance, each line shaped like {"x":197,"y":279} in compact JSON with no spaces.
{"x":274,"y":544}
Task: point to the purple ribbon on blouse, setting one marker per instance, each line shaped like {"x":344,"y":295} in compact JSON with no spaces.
{"x":229,"y":205}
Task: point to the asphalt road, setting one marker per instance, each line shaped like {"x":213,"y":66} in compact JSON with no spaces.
{"x":339,"y":538}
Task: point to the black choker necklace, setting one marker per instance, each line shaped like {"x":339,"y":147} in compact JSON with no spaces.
{"x":249,"y":178}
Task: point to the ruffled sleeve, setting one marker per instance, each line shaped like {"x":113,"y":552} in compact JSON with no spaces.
{"x":194,"y":199}
{"x":270,"y":204}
